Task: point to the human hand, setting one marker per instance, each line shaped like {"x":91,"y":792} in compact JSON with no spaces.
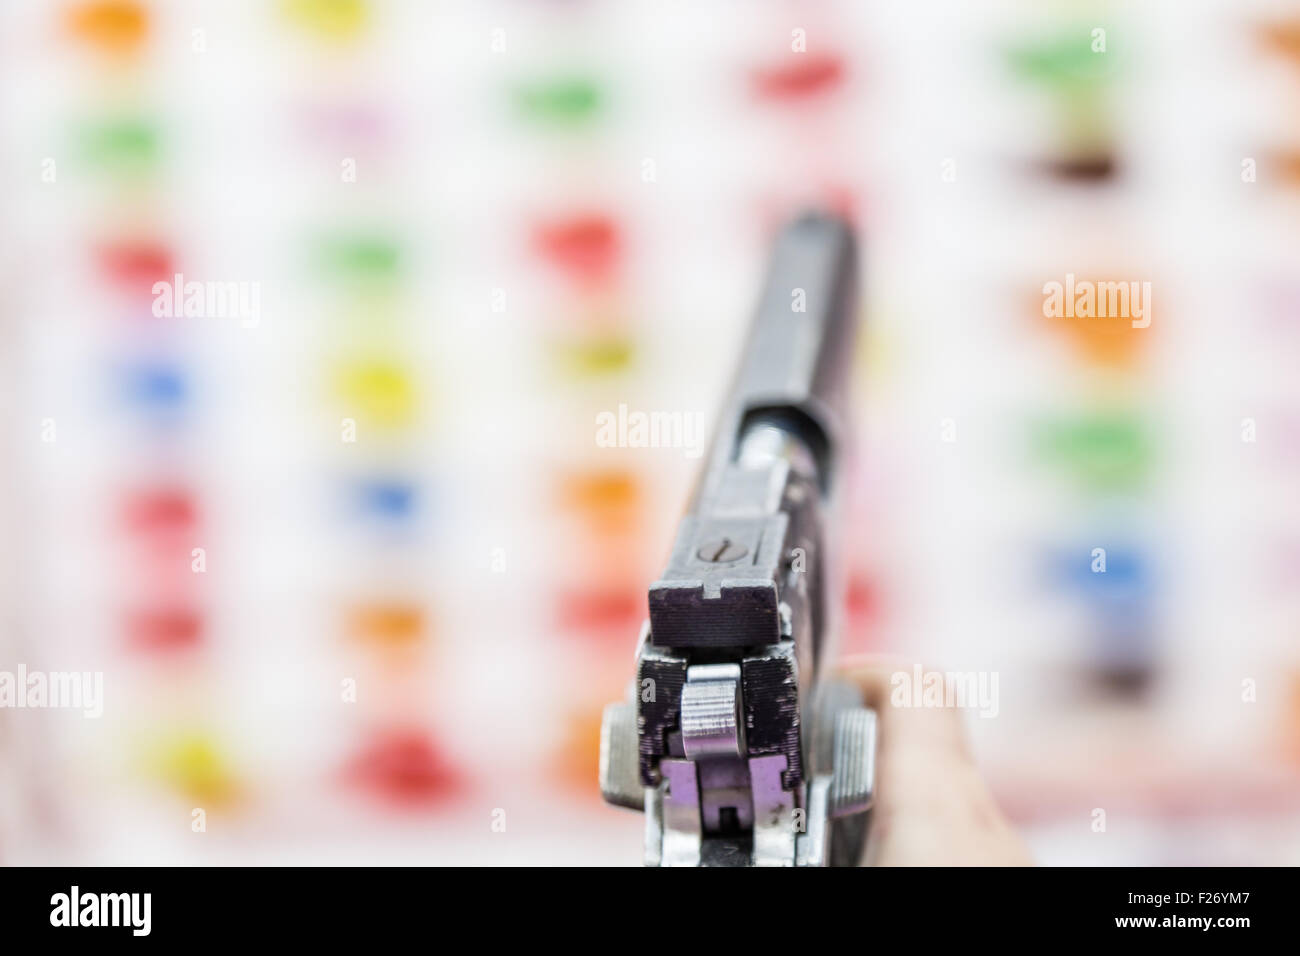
{"x":932,"y":807}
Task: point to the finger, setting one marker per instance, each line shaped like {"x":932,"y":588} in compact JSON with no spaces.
{"x":932,"y":807}
{"x":936,"y":730}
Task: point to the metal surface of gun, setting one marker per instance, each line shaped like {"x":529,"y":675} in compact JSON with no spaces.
{"x":731,"y":742}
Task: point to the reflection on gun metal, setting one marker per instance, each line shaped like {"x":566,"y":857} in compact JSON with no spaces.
{"x":733,"y":743}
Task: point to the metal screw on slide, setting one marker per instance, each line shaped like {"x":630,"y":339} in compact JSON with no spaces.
{"x":721,"y":551}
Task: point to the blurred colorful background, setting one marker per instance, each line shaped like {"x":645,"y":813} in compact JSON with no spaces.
{"x":344,"y":545}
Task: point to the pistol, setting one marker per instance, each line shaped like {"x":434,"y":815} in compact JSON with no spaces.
{"x":733,"y":741}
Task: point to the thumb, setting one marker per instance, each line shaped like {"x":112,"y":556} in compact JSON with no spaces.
{"x":932,"y":806}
